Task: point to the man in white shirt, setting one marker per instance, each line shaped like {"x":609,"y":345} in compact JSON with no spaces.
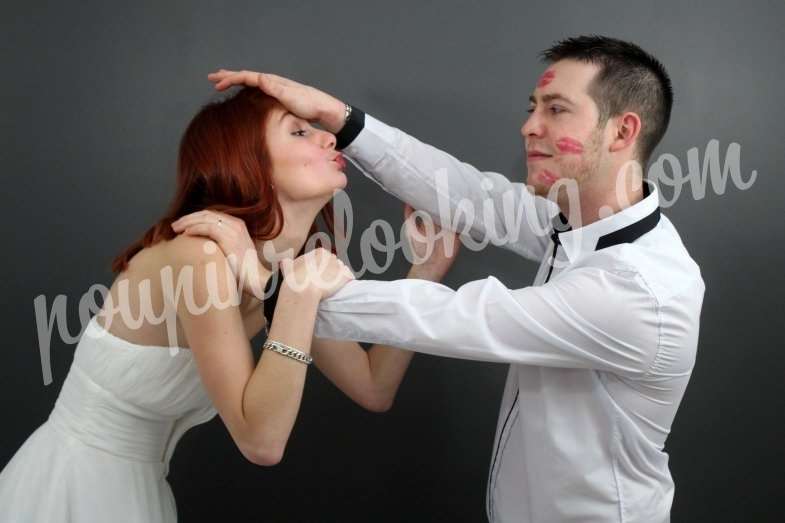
{"x":602,"y":345}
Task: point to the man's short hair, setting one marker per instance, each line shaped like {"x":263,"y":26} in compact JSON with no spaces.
{"x":629,"y":79}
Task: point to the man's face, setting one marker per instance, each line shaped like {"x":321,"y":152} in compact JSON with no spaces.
{"x":561,"y":135}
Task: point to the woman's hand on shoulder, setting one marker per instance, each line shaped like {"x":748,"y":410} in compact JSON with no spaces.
{"x":231,"y":235}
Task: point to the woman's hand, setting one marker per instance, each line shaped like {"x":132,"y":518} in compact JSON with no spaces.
{"x":304,"y":101}
{"x":231,"y":235}
{"x":434,"y":250}
{"x":318,"y":271}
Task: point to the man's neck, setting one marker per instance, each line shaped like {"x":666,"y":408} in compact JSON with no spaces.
{"x":596,"y":201}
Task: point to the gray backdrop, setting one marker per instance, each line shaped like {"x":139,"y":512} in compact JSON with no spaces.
{"x":95,"y":98}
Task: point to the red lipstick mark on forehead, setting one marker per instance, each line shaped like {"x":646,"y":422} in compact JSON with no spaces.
{"x":546,"y":78}
{"x":569,"y":145}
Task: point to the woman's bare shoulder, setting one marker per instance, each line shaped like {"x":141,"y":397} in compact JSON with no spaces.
{"x":189,"y":250}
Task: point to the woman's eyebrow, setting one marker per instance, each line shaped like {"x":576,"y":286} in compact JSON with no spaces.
{"x":291,"y":114}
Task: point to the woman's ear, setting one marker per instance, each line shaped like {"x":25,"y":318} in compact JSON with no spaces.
{"x":627,"y":129}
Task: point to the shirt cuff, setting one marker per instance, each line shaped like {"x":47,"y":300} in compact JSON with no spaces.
{"x":374,"y":141}
{"x":350,"y":129}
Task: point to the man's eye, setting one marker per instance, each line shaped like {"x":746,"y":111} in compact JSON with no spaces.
{"x":555,"y":109}
{"x":299,"y":132}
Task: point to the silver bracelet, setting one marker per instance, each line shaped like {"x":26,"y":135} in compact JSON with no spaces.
{"x":347,"y":111}
{"x":286,"y":350}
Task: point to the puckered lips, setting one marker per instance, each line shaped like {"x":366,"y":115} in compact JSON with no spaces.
{"x":340,"y":161}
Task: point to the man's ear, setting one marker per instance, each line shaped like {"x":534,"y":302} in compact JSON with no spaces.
{"x":627,"y":127}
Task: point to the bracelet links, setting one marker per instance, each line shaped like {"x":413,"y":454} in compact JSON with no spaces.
{"x":285,"y":350}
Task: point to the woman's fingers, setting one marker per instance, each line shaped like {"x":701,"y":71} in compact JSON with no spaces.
{"x":212,"y":230}
{"x":206,"y":216}
{"x":188,"y":219}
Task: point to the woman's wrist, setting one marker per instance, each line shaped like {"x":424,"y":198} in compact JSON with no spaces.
{"x":300,"y":287}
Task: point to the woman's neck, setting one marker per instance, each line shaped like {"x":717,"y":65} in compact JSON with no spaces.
{"x":297,"y":222}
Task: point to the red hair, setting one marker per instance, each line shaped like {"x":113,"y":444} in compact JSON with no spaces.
{"x":223,"y":165}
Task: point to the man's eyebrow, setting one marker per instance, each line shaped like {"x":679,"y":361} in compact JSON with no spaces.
{"x":550,"y":97}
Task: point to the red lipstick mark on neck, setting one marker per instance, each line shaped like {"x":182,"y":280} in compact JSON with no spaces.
{"x":546,"y":78}
{"x":569,"y":145}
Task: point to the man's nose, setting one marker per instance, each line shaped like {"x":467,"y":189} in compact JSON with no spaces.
{"x":531,"y":127}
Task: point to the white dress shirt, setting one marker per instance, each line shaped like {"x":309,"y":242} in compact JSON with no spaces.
{"x":600,"y":354}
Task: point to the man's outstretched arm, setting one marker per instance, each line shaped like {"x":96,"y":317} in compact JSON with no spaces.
{"x":589,"y":318}
{"x":485,"y":205}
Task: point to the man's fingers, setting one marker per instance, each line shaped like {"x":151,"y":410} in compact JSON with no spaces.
{"x":231,"y":78}
{"x":219,"y":74}
{"x":271,"y":84}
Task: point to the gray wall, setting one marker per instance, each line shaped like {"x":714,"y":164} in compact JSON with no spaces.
{"x":95,"y":98}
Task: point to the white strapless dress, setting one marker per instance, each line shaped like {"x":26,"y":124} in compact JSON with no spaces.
{"x":103,"y":454}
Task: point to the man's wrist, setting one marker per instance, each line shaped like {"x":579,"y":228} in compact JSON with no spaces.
{"x":333,"y":117}
{"x":355,"y":122}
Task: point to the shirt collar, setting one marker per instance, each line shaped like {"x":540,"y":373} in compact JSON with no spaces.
{"x":621,"y":227}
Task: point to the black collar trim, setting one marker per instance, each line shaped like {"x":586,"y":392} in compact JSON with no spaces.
{"x":627,"y":234}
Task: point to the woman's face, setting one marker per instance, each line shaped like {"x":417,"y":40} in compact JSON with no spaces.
{"x":305,"y":164}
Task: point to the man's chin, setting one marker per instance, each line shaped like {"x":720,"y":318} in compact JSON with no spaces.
{"x":539,"y":188}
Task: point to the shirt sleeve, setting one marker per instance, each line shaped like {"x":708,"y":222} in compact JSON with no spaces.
{"x":486,"y":206}
{"x":590,"y":318}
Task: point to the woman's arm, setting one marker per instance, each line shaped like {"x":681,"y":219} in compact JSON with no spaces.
{"x":258,"y":403}
{"x":369,"y":378}
{"x":372,"y":378}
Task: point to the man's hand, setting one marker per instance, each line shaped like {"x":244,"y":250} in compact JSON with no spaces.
{"x":434,"y":250}
{"x":304,"y":101}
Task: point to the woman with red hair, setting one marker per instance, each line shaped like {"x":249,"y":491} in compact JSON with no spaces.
{"x":159,"y":359}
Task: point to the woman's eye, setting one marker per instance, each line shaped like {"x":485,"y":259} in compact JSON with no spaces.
{"x":530,"y":110}
{"x":299,"y":132}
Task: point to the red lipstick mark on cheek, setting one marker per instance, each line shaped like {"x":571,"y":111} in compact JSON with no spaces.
{"x":546,"y":78}
{"x":547,"y":176}
{"x":569,"y":145}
